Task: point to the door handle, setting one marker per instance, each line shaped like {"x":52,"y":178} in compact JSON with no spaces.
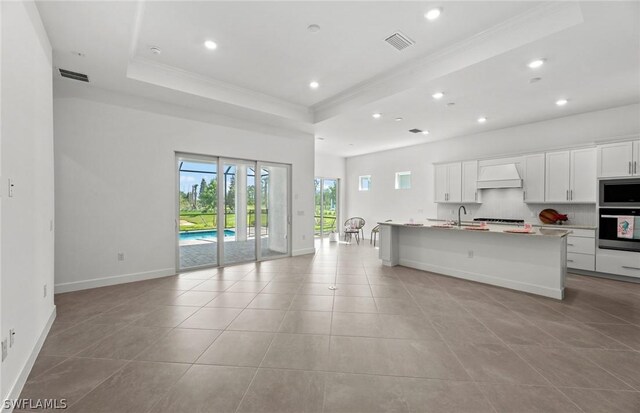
{"x":627,"y":267}
{"x":571,"y":195}
{"x":635,"y":167}
{"x":569,"y":260}
{"x":567,"y":194}
{"x":570,"y":245}
{"x":629,"y":167}
{"x":476,"y":195}
{"x":524,"y":195}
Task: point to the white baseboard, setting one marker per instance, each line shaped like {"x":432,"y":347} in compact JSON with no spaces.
{"x":113,"y":280}
{"x":303,"y":251}
{"x":18,"y":385}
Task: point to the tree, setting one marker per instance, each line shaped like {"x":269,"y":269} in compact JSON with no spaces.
{"x":230,"y":196}
{"x":209,"y":197}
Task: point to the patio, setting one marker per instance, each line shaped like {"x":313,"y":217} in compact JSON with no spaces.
{"x":200,"y":253}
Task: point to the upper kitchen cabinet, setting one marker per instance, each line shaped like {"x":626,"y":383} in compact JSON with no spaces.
{"x":448,"y":182}
{"x":533,"y":182}
{"x":583,"y":176}
{"x":571,"y":176}
{"x":619,"y":159}
{"x":470,"y":181}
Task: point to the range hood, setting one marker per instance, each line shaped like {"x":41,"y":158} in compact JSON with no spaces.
{"x":499,"y":176}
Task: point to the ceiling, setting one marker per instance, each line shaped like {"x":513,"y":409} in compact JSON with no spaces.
{"x":476,"y":53}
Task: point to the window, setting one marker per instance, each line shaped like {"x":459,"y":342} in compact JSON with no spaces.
{"x":364,"y":183}
{"x":403,"y":180}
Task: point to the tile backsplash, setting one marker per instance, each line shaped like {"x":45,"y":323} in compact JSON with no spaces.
{"x":507,"y":203}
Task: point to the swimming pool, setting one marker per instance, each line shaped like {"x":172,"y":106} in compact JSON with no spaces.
{"x":208,"y":235}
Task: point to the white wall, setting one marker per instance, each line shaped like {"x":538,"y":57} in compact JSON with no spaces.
{"x":384,"y":202}
{"x":26,"y":153}
{"x":115,"y":184}
{"x":331,"y":166}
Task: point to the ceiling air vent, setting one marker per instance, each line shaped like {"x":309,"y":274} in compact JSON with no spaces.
{"x":399,"y":41}
{"x":415,"y":130}
{"x":74,"y":75}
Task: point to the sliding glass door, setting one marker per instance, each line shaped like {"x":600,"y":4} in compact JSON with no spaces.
{"x":197,"y":212}
{"x":326,"y":206}
{"x":274,"y":210}
{"x":231,"y":211}
{"x":238,"y":194}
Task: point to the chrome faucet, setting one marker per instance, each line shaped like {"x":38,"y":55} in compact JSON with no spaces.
{"x":460,"y":219}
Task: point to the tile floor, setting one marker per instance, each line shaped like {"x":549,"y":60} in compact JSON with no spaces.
{"x":273,"y":338}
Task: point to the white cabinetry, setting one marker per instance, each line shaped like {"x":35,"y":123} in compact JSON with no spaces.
{"x":571,"y":176}
{"x":619,"y":159}
{"x":533,"y":182}
{"x":581,"y":250}
{"x":583,"y":176}
{"x":470,"y":181}
{"x":557,"y":178}
{"x":625,"y":263}
{"x":448,"y":185}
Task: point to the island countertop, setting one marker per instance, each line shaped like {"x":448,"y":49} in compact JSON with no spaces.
{"x":534,"y":262}
{"x":491,"y":229}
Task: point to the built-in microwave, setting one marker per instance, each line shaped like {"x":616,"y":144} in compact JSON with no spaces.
{"x":620,"y":192}
{"x":619,"y":229}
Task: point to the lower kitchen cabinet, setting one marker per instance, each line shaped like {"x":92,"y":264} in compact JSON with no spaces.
{"x":581,"y":250}
{"x":625,"y":263}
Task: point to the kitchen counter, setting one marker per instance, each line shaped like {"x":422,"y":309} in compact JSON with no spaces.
{"x":535,"y":263}
{"x":491,"y":228}
{"x":537,"y":224}
{"x":567,"y":226}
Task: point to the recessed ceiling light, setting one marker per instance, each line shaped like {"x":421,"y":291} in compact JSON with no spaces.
{"x":313,"y":28}
{"x":398,"y":119}
{"x":155,"y":50}
{"x":534,"y":64}
{"x":377,"y":115}
{"x":561,"y":102}
{"x":425,"y":132}
{"x":314,"y":85}
{"x":433,"y":14}
{"x":437,"y":95}
{"x":211,"y":45}
{"x":482,"y":119}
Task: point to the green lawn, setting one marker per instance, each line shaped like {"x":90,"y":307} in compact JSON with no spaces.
{"x":202,"y":221}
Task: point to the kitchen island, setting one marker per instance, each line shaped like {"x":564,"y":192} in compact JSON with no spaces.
{"x":535,"y":263}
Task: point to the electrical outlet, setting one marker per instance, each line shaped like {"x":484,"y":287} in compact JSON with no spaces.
{"x":44,"y":291}
{"x":12,"y":337}
{"x":121,"y":256}
{"x":4,"y":349}
{"x":470,"y":254}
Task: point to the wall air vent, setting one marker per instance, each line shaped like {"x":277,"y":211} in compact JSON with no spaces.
{"x":74,"y":75}
{"x":415,"y":130}
{"x":399,"y":41}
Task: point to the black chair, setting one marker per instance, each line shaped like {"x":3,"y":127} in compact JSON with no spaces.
{"x":353,"y":226}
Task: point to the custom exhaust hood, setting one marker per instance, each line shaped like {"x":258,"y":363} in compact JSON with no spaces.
{"x":499,"y":176}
